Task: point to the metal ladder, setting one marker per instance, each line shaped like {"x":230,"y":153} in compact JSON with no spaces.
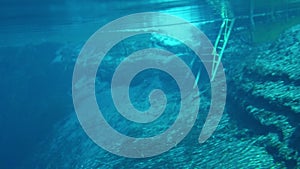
{"x":219,"y":47}
{"x":220,"y":44}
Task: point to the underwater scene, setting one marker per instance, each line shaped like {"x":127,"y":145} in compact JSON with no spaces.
{"x":164,"y":84}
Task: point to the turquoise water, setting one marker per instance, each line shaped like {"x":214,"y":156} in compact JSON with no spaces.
{"x":40,"y":42}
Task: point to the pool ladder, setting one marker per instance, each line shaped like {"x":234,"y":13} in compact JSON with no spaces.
{"x":219,"y":47}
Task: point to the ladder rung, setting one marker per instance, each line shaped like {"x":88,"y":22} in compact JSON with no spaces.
{"x":220,"y":44}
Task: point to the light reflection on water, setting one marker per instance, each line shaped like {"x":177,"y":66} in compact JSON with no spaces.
{"x":69,"y":21}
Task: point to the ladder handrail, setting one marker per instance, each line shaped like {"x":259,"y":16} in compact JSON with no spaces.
{"x":226,"y":33}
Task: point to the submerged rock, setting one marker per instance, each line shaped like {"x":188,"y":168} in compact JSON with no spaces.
{"x":266,"y":87}
{"x":260,"y":128}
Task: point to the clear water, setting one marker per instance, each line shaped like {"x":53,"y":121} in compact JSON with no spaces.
{"x":39,"y":43}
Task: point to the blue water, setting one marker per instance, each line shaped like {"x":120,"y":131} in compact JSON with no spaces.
{"x":36,"y":94}
{"x":39,"y":44}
